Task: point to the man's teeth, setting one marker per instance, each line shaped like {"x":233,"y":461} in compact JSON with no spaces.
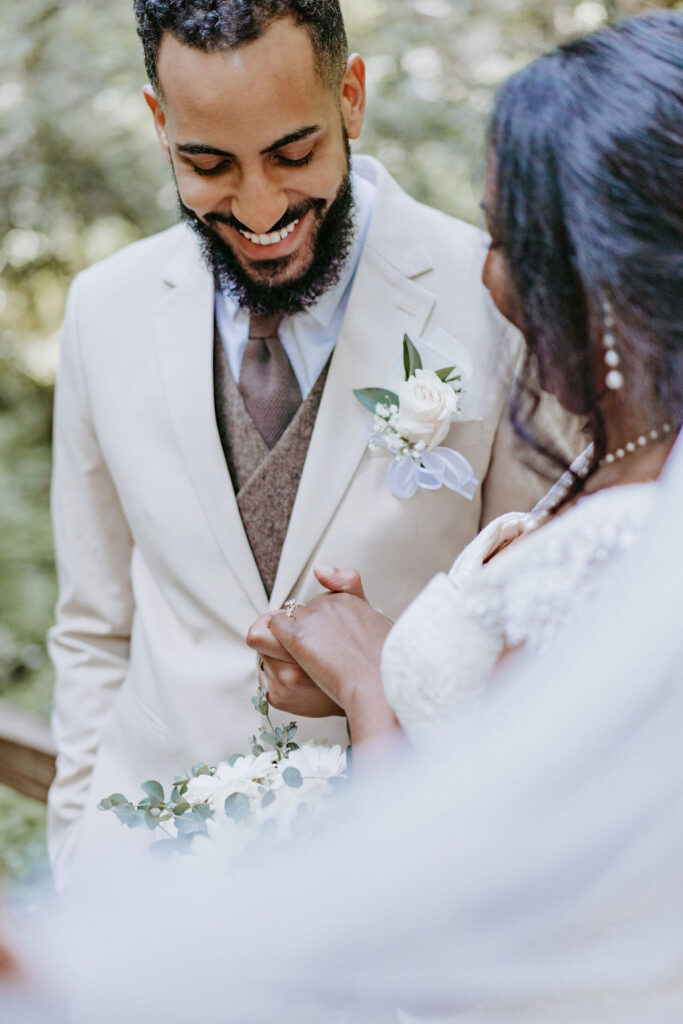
{"x":273,"y":238}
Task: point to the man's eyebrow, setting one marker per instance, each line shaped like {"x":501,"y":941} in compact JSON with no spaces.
{"x":286,"y":140}
{"x":197,"y":149}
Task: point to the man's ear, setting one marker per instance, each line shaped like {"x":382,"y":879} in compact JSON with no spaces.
{"x":154,"y":104}
{"x":352,"y":95}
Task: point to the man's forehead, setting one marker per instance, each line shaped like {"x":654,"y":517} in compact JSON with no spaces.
{"x":283,"y":57}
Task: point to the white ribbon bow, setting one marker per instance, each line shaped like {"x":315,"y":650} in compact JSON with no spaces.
{"x":442,"y":467}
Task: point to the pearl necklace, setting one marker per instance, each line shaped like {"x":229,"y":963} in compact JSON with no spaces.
{"x":632,"y":446}
{"x":580,"y":467}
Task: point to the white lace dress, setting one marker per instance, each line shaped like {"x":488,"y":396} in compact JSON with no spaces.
{"x":441,"y":652}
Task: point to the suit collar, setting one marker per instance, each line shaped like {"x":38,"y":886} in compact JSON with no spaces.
{"x":385,"y":303}
{"x":396,"y":239}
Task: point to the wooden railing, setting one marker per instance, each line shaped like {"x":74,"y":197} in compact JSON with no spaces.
{"x":27,"y":751}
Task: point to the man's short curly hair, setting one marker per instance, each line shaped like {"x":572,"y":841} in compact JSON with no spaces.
{"x":214,"y":25}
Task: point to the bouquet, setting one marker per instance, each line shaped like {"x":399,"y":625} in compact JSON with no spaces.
{"x":277,"y":788}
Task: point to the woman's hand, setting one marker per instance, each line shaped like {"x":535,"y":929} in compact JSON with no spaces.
{"x":289,"y":688}
{"x":337,"y":640}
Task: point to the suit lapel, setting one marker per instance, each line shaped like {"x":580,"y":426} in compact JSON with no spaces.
{"x":383,"y":306}
{"x":184,"y":319}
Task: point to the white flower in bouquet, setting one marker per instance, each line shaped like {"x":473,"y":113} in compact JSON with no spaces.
{"x":239,"y":777}
{"x":318,"y":761}
{"x":426,"y":408}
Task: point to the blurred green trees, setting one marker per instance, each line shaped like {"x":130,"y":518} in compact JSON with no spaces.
{"x":82,"y":175}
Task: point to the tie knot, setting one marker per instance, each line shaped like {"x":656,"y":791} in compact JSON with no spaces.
{"x":265,"y":326}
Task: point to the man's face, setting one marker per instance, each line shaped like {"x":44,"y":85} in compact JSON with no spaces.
{"x":258,"y":143}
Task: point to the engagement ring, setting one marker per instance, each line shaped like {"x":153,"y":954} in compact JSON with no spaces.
{"x":289,"y":607}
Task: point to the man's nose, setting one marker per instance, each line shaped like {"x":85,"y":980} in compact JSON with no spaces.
{"x":258,"y":201}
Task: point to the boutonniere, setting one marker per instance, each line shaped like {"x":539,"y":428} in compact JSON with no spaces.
{"x":410,"y":425}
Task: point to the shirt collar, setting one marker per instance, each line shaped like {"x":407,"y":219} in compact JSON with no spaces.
{"x":324,"y":308}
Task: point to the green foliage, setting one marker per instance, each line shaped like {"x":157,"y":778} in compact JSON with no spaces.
{"x":237,"y":806}
{"x":292,"y":777}
{"x":411,"y":357}
{"x":372,"y":397}
{"x":22,"y":835}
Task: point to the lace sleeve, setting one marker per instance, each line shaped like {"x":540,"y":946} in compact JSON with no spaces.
{"x":444,"y":648}
{"x":525,"y":594}
{"x":436,"y":659}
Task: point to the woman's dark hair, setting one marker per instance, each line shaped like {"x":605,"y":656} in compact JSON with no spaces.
{"x":213,"y":25}
{"x":587,"y":157}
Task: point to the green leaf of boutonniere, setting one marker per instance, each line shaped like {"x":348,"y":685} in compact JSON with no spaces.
{"x":411,"y":357}
{"x":371,"y":397}
{"x":445,"y":374}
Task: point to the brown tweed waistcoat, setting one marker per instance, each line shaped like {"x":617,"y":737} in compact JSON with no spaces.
{"x":265,"y":482}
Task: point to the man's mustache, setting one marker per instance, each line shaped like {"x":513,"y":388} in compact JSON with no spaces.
{"x":291,"y":214}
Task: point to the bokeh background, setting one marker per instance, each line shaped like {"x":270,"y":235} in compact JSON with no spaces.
{"x":82,"y":175}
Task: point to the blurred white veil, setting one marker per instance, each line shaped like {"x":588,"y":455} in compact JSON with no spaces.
{"x":531,"y":869}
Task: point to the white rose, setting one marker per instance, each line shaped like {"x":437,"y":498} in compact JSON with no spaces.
{"x":426,"y":408}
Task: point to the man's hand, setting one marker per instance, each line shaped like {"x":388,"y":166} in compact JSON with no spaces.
{"x":288,"y":687}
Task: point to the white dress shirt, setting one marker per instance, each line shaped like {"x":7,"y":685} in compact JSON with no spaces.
{"x":309,"y":337}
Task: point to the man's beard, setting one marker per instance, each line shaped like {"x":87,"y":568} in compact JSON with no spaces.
{"x":331,"y":246}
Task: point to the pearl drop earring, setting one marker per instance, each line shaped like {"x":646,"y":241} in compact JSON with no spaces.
{"x":615,"y":378}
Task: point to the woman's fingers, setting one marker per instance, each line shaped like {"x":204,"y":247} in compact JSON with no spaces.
{"x":340,"y":581}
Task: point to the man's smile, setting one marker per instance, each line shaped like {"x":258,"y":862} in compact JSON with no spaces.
{"x":273,"y":245}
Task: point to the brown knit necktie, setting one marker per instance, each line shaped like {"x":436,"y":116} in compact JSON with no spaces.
{"x":267,"y":383}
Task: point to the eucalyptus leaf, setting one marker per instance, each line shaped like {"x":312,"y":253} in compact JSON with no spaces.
{"x":151,"y":819}
{"x":237,"y":806}
{"x":372,"y":397}
{"x":190,"y":824}
{"x":104,"y":805}
{"x":126,"y":814}
{"x":268,"y":799}
{"x":411,"y":357}
{"x":257,"y":749}
{"x":292,"y":777}
{"x":200,"y":769}
{"x":154,"y":790}
{"x":118,"y":799}
{"x":180,"y":808}
{"x":235,"y":758}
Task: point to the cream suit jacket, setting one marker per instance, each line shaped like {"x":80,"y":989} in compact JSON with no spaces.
{"x":158,"y":585}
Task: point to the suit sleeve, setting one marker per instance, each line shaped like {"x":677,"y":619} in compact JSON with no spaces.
{"x":511,"y":485}
{"x":89,"y":643}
